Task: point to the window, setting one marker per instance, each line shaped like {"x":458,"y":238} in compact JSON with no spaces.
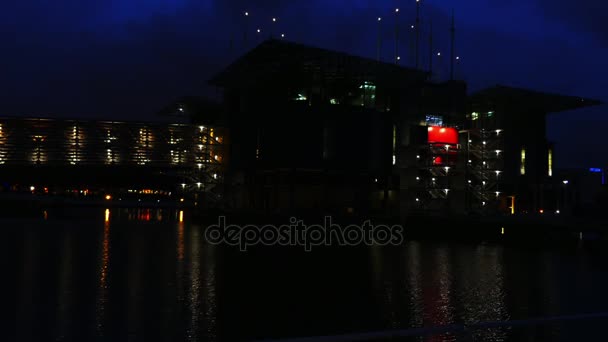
{"x":490,"y":114}
{"x":368,"y":94}
{"x":522,"y":168}
{"x":550,"y":162}
{"x":434,"y":120}
{"x":394,"y":144}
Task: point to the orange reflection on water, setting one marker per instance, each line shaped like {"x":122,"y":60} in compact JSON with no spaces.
{"x":103,"y":275}
{"x":180,"y":239}
{"x":105,"y":252}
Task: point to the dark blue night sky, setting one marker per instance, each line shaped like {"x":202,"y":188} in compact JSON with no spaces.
{"x":129,"y":58}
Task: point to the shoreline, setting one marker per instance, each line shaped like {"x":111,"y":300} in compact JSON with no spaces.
{"x":453,"y":227}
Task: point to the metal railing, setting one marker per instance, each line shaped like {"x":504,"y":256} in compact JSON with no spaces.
{"x":466,"y":330}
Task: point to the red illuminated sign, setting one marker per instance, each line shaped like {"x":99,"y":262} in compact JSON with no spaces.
{"x":442,"y":135}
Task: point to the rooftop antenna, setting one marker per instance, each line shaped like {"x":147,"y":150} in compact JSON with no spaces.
{"x":379,"y":38}
{"x":417,"y":27}
{"x":246,"y":20}
{"x":452,"y":46}
{"x":431,"y":47}
{"x":397,"y":58}
{"x":274,"y":24}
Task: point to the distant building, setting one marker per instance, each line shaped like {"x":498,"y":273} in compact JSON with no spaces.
{"x":511,"y":160}
{"x":323,"y":131}
{"x":300,"y":129}
{"x":118,"y":157}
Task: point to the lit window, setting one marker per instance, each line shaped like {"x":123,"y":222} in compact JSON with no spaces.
{"x":474,"y":116}
{"x":301,"y":97}
{"x":434,"y":120}
{"x":394,"y":144}
{"x":368,"y":94}
{"x":522,"y":169}
{"x":550,"y":162}
{"x":490,"y":114}
{"x":334,"y":101}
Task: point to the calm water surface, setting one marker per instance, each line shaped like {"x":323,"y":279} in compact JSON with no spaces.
{"x":143,"y":275}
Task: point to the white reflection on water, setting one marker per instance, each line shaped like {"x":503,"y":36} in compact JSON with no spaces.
{"x":195,"y":286}
{"x":65,"y":289}
{"x":104,"y":264}
{"x":383,"y":285}
{"x":484,"y":295}
{"x":201,"y":297}
{"x":414,"y":279}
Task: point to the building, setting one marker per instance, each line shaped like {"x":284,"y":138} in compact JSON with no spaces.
{"x":511,"y":164}
{"x":323,"y":131}
{"x":301,"y":129}
{"x":118,"y":158}
{"x":319,"y":130}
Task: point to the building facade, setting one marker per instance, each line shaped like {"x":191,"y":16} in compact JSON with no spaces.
{"x":110,"y":156}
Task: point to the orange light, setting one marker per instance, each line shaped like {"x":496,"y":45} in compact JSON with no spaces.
{"x":108,"y":197}
{"x":181,"y":216}
{"x":107,"y":215}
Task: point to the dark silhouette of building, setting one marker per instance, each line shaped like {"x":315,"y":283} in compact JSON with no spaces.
{"x":303,"y":129}
{"x":323,"y":131}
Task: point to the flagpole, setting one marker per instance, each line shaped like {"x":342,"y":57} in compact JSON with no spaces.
{"x":379,"y":38}
{"x":397,"y":36}
{"x":452,"y":47}
{"x":417,"y":27}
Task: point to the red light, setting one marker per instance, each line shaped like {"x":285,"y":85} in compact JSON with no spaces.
{"x":437,"y":161}
{"x":443,"y":135}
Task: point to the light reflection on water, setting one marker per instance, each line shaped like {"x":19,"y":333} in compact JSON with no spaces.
{"x":154,"y":277}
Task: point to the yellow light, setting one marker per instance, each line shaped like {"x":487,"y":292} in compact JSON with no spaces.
{"x":512,"y":205}
{"x":522,"y":169}
{"x":181,"y":199}
{"x":181,"y":216}
{"x":107,"y":215}
{"x":502,"y":230}
{"x":550,"y":163}
{"x":108,"y":197}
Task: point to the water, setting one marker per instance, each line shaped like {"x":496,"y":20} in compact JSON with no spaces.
{"x":143,"y":275}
